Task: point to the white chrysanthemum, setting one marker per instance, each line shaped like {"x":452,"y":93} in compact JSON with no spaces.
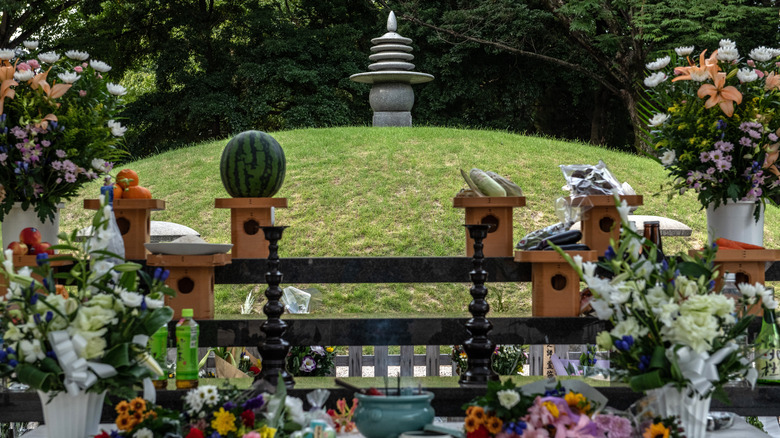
{"x":49,"y":57}
{"x":658,"y":63}
{"x":775,"y":52}
{"x":154,"y":304}
{"x":194,"y":400}
{"x":667,"y":158}
{"x":699,"y":75}
{"x":24,"y":75}
{"x":728,"y":53}
{"x":655,"y":79}
{"x":31,"y":351}
{"x":604,"y":341}
{"x":69,"y":77}
{"x":99,"y":66}
{"x":726,"y":43}
{"x":629,"y":327}
{"x":78,"y":56}
{"x":508,"y":398}
{"x":131,"y":299}
{"x":7,"y":54}
{"x":695,"y":330}
{"x":30,"y":45}
{"x":143,"y":433}
{"x":684,"y":51}
{"x":658,"y":120}
{"x":746,"y":75}
{"x":761,"y":54}
{"x":117,"y":130}
{"x":116,"y":89}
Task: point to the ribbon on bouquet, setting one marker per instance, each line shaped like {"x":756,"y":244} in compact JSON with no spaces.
{"x":76,"y":369}
{"x":701,"y":369}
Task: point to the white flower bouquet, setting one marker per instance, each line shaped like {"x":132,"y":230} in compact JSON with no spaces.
{"x":669,"y":325}
{"x":88,"y":333}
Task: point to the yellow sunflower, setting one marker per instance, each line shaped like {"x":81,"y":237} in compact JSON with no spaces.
{"x":656,"y":430}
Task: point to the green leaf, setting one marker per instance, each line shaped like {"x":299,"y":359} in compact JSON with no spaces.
{"x":157,"y":319}
{"x":693,"y":270}
{"x":127,"y":266}
{"x":658,"y":360}
{"x":31,"y":375}
{"x":118,"y":356}
{"x":646,"y":381}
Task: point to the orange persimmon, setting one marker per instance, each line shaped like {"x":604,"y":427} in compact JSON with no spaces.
{"x":127,"y":178}
{"x":137,"y":192}
{"x":118,"y":191}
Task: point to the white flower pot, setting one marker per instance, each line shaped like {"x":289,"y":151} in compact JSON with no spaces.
{"x":735,"y":221}
{"x":692,"y":411}
{"x":17,"y":219}
{"x":68,"y":416}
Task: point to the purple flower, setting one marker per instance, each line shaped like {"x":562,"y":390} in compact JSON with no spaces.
{"x":704,"y":156}
{"x":316,"y":349}
{"x":617,"y":427}
{"x":254,"y":403}
{"x":308,"y":364}
{"x":744,"y":141}
{"x":724,"y":146}
{"x":229,"y":405}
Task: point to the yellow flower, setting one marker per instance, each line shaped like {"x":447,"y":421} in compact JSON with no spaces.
{"x":552,"y":408}
{"x":656,"y":430}
{"x":267,"y":432}
{"x":493,"y":425}
{"x":471,"y":424}
{"x":577,"y":400}
{"x":138,"y":405}
{"x":124,"y":421}
{"x":224,"y":422}
{"x":122,"y":407}
{"x":329,"y":349}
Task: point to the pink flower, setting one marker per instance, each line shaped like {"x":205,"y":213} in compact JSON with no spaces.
{"x":34,"y":64}
{"x":78,"y":69}
{"x":751,"y":63}
{"x":617,"y":427}
{"x":251,"y":435}
{"x":23,"y":66}
{"x":82,"y":93}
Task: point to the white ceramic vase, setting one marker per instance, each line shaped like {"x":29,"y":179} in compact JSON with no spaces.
{"x":68,"y":416}
{"x":17,"y":219}
{"x":692,"y":411}
{"x":735,"y":221}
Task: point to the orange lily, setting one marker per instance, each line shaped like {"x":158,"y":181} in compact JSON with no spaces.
{"x":772,"y":156}
{"x":706,"y":66}
{"x":720,"y":95}
{"x":772,"y":82}
{"x":52,"y":91}
{"x":44,"y":123}
{"x":6,"y":91}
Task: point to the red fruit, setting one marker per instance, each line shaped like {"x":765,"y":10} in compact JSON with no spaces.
{"x":40,"y":248}
{"x":373,"y":391}
{"x":30,"y":236}
{"x":18,"y":248}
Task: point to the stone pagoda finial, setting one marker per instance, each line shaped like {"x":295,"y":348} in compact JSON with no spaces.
{"x":391,"y":97}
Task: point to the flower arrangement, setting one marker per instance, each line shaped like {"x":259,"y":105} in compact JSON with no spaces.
{"x":57,"y":127}
{"x":213,"y":412}
{"x":669,"y":326}
{"x":342,"y":416}
{"x":506,"y":411}
{"x":714,"y":125}
{"x":89,"y":335}
{"x":313,"y":361}
{"x":507,"y":360}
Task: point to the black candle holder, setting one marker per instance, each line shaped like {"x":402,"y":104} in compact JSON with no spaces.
{"x":274,"y":350}
{"x":479,"y":348}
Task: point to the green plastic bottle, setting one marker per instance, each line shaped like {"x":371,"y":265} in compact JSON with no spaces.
{"x":767,"y":346}
{"x":158,"y":346}
{"x":187,"y":332}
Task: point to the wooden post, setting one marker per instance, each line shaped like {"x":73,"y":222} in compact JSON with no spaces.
{"x":133,"y":218}
{"x":600,"y":219}
{"x":555,"y":284}
{"x":491,"y":210}
{"x":247,"y":217}
{"x":192,"y":277}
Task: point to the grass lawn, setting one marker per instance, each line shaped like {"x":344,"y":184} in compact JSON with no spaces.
{"x":388,"y":192}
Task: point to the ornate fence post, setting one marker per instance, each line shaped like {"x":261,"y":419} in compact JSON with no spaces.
{"x":274,"y":350}
{"x":478,"y":348}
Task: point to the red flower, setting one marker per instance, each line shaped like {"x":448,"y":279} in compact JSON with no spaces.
{"x":254,"y":369}
{"x":194,"y":433}
{"x":248,"y":418}
{"x":481,"y":432}
{"x":103,"y":434}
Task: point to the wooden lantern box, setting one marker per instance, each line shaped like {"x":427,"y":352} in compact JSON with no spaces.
{"x":601,"y":220}
{"x":192,"y":277}
{"x":495,"y":210}
{"x":133,"y":218}
{"x":247,"y":217}
{"x":748,"y":266}
{"x":555,"y":284}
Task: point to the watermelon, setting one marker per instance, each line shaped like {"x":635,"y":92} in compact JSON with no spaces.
{"x":252,"y":165}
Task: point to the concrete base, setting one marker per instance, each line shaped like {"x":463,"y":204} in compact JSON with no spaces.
{"x":392,"y":118}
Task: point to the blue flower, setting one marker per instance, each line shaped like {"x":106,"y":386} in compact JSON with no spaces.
{"x":721,"y":124}
{"x":51,"y":354}
{"x":37,"y":318}
{"x":610,"y":253}
{"x":10,"y":350}
{"x":157,"y":273}
{"x":165,"y":275}
{"x":254,"y":403}
{"x":13,"y":363}
{"x":34,"y":298}
{"x":42,"y":258}
{"x":625,"y":343}
{"x":644,"y":362}
{"x":664,"y":265}
{"x":49,"y":315}
{"x":516,"y":427}
{"x":3,"y":356}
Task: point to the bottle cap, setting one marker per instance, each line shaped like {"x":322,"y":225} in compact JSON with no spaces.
{"x":186,"y":313}
{"x":730,"y":276}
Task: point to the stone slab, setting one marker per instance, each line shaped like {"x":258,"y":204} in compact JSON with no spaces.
{"x":392,"y":118}
{"x":160,"y":231}
{"x":669,"y":227}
